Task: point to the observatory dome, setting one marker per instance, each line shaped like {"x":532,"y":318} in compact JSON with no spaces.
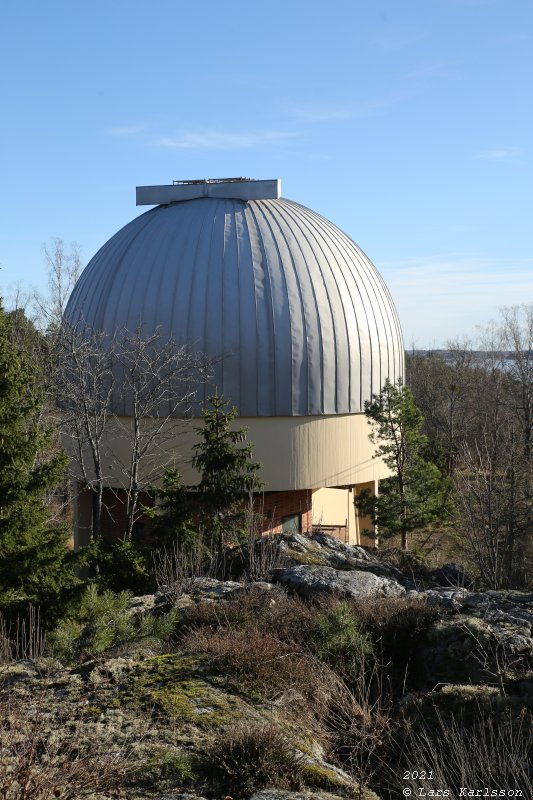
{"x":296,"y":317}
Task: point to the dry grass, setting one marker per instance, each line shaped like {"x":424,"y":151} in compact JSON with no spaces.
{"x":23,"y":639}
{"x":288,"y":619}
{"x":176,"y":568}
{"x":38,"y":764}
{"x":495,"y":751}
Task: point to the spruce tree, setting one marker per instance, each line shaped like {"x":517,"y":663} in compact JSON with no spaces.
{"x":416,"y":494}
{"x":34,"y":560}
{"x":229,"y":476}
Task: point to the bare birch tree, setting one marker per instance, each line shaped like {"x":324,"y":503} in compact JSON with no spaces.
{"x":517,"y":338}
{"x":63,"y":268}
{"x":155,"y":383}
{"x":85,"y":386}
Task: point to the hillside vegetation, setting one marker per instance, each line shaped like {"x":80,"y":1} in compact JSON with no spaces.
{"x":337,"y":676}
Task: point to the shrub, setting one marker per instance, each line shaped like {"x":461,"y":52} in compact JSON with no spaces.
{"x":396,"y":626}
{"x":286,"y":618}
{"x":104,"y":620}
{"x":125,"y":565}
{"x":256,"y":663}
{"x":251,"y":756}
{"x":176,"y":568}
{"x":336,"y":639}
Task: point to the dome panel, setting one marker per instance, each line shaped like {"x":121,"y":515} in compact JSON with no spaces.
{"x":295,"y":315}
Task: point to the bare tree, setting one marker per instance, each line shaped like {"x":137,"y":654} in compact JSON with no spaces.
{"x":517,"y":338}
{"x":85,"y":386}
{"x":157,"y":382}
{"x":493,"y":501}
{"x":124,"y":399}
{"x":63,"y":267}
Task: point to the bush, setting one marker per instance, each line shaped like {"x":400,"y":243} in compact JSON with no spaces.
{"x":125,"y":566}
{"x":103,"y":621}
{"x":251,"y":756}
{"x":286,"y":618}
{"x":396,"y":626}
{"x":336,"y":639}
{"x":256,"y":663}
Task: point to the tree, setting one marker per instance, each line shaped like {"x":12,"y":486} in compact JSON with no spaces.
{"x":127,"y":389}
{"x":173,"y":517}
{"x":34,"y":560}
{"x":63,"y":268}
{"x":517,"y":338}
{"x":228,"y":473}
{"x":155,"y":383}
{"x":494,"y":501}
{"x":416,"y":494}
{"x":85,"y":385}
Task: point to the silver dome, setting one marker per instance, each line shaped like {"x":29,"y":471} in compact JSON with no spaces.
{"x":299,"y":319}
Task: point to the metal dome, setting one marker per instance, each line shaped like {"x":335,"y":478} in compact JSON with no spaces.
{"x":296,"y":314}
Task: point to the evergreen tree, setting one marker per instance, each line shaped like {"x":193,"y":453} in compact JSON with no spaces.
{"x":173,"y":515}
{"x":416,"y":494}
{"x":34,"y":560}
{"x":228,"y":473}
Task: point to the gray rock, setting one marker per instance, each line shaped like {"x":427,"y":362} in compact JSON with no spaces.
{"x":211,"y":588}
{"x":450,"y":598}
{"x":179,"y":796}
{"x":309,"y":581}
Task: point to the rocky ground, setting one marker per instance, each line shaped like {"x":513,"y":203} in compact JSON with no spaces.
{"x":147,"y":719}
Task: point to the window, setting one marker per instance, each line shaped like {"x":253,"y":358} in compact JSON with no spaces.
{"x":292,"y":523}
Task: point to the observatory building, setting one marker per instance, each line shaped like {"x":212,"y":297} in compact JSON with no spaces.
{"x":298,"y":322}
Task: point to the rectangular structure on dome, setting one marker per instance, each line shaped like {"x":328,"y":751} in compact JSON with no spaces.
{"x":229,"y":188}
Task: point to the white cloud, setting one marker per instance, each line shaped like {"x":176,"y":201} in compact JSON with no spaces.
{"x":223,"y":140}
{"x":439,"y":299}
{"x":500,"y":153}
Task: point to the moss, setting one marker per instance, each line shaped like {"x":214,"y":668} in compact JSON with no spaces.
{"x":317,"y":776}
{"x":170,"y":764}
{"x":308,"y":558}
{"x":465,"y":702}
{"x":177,"y":686}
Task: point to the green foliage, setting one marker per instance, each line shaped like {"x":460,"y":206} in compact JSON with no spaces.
{"x":35,"y":565}
{"x":169,"y":764}
{"x":124,"y":565}
{"x":228,"y":473}
{"x":416,"y":494}
{"x":337,"y":640}
{"x":104,"y":620}
{"x":173,"y":516}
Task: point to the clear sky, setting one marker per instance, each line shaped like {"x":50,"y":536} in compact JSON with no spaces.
{"x":408,"y":123}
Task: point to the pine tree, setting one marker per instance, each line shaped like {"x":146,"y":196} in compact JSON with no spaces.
{"x":416,"y":494}
{"x":34,"y":560}
{"x":228,"y":473}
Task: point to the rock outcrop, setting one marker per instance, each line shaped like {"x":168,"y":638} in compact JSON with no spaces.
{"x":161,"y":709}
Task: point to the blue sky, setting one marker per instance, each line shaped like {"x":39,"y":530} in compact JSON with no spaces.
{"x":408,"y":123}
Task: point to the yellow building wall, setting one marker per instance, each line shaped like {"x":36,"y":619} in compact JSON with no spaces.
{"x":294,"y":452}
